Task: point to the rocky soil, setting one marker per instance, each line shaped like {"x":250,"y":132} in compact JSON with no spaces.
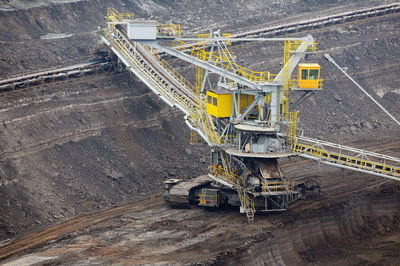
{"x":72,"y":148}
{"x":355,"y":221}
{"x":76,"y":147}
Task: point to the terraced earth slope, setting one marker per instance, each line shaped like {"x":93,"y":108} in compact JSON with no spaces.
{"x":76,"y":147}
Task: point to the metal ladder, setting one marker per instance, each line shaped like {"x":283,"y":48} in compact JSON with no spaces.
{"x":246,"y":204}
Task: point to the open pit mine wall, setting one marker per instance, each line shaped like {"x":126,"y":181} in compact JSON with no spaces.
{"x":335,"y":227}
{"x":76,"y":147}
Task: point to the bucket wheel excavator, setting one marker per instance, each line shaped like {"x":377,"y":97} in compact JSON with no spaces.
{"x":244,"y":116}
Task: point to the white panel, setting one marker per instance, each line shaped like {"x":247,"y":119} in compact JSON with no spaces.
{"x":142,"y":31}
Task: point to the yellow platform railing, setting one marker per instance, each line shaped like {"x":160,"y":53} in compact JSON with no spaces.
{"x":229,"y":177}
{"x":276,"y":186}
{"x":347,"y":160}
{"x":225,"y":63}
{"x":172,"y":96}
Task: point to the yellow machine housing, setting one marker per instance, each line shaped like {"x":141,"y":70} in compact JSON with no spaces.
{"x":309,"y":75}
{"x":219,"y":102}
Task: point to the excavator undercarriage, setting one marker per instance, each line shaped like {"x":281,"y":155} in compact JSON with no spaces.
{"x":264,"y":185}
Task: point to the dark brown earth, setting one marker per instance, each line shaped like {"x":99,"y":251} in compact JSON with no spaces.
{"x":89,"y":144}
{"x":355,"y":221}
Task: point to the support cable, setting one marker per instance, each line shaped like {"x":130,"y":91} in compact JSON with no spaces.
{"x":330,"y":59}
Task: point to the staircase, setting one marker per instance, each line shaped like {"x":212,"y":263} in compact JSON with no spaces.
{"x":246,"y":204}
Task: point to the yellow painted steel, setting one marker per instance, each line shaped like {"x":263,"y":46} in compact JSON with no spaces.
{"x":173,"y":96}
{"x":225,"y":175}
{"x":293,"y":129}
{"x":169,"y":68}
{"x":196,"y":116}
{"x":291,"y":46}
{"x":238,"y":182}
{"x":219,"y":104}
{"x":227,"y":64}
{"x":244,"y":100}
{"x":208,"y":200}
{"x":277,"y":186}
{"x":286,"y":70}
{"x":309,"y":76}
{"x":347,"y":160}
{"x":113,"y":16}
{"x":209,"y":36}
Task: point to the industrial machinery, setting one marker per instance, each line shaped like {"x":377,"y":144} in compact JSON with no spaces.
{"x":243,"y":115}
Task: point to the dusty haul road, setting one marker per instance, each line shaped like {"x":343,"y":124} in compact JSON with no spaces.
{"x":356,"y":221}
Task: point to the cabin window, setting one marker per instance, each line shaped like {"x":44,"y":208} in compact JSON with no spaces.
{"x":209,"y":99}
{"x":313,"y":74}
{"x":304,"y":74}
{"x":215,"y":101}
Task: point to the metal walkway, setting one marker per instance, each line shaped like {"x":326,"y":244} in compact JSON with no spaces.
{"x":348,"y":157}
{"x":148,"y":65}
{"x":156,"y":73}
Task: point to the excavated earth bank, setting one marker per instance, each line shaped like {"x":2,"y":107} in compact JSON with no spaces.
{"x":338,"y":227}
{"x":80,"y":146}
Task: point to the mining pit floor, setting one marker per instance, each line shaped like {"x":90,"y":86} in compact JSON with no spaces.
{"x":355,"y":221}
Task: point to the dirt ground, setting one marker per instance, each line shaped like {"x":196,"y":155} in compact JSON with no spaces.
{"x":355,"y":221}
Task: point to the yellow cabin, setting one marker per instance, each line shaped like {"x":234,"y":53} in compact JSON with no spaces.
{"x":309,"y":76}
{"x":219,"y":103}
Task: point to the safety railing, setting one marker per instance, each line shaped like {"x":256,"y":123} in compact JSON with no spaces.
{"x":208,"y":200}
{"x":295,"y":44}
{"x":294,"y":84}
{"x":207,"y":124}
{"x":292,"y":129}
{"x":347,"y":157}
{"x":231,"y":178}
{"x":114,"y":16}
{"x":169,"y":68}
{"x":246,"y":203}
{"x":107,"y":34}
{"x":203,"y":124}
{"x":210,"y":35}
{"x":172,"y":95}
{"x":277,"y":186}
{"x":256,"y":76}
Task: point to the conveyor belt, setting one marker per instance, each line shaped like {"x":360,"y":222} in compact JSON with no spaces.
{"x":348,"y":157}
{"x":313,"y":23}
{"x":51,"y":75}
{"x":321,"y":21}
{"x":174,"y":90}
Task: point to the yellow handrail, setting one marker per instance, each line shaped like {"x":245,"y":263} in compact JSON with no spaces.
{"x":347,"y":160}
{"x":224,"y":62}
